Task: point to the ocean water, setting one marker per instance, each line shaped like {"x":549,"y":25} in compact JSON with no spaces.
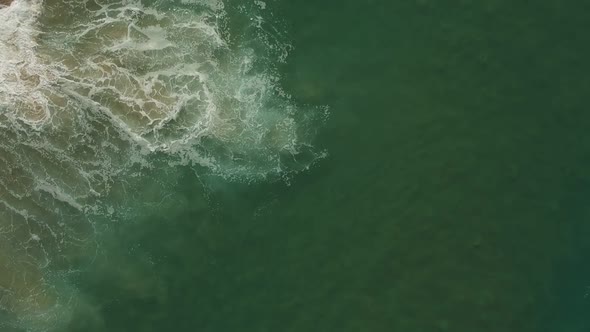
{"x":105,"y":106}
{"x":210,"y":165}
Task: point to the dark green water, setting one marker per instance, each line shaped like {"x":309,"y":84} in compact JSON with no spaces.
{"x":454,"y":198}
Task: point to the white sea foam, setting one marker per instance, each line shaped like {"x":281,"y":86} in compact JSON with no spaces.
{"x":93,"y":94}
{"x":22,"y":76}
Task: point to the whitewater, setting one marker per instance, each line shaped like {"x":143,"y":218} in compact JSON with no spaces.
{"x":98,"y":99}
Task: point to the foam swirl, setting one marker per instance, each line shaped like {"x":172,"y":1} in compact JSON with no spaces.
{"x":96,"y":97}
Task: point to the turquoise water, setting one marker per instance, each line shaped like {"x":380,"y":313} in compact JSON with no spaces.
{"x":346,"y":166}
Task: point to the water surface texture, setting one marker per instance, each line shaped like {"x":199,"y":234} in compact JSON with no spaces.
{"x":224,"y":166}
